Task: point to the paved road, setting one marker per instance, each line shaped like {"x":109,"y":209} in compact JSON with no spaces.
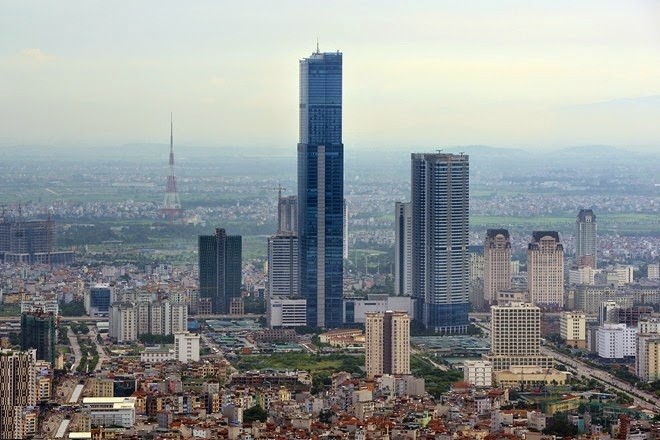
{"x":73,"y":340}
{"x":99,"y":348}
{"x":639,"y":397}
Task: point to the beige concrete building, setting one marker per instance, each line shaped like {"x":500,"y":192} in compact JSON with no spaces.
{"x":103,"y":387}
{"x":647,"y":359}
{"x":529,"y":377}
{"x":573,"y":329}
{"x":545,"y":269}
{"x":478,"y":373}
{"x":18,"y":389}
{"x":497,"y":263}
{"x":387,"y":343}
{"x":516,"y":337}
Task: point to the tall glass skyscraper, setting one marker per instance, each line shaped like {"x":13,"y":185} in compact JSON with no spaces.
{"x":220,"y":259}
{"x":321,"y":188}
{"x":585,"y":239}
{"x":440,"y":228}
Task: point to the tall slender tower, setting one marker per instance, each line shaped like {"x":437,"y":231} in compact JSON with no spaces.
{"x":171,"y":205}
{"x":403,"y":249}
{"x":497,"y":263}
{"x":321,"y":188}
{"x":585,"y":239}
{"x":440,"y":228}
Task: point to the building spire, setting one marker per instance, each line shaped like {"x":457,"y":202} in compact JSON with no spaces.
{"x":317,"y":45}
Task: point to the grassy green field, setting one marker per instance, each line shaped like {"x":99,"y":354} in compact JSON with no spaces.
{"x":313,"y":363}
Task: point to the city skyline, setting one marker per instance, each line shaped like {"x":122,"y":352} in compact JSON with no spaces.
{"x":503,"y":74}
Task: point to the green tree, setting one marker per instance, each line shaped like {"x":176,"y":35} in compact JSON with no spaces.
{"x":255,"y":413}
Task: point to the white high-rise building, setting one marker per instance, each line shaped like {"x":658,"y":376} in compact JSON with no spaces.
{"x":123,"y":322}
{"x":516,"y":336}
{"x":186,"y":347}
{"x":545,"y":270}
{"x":283,"y":265}
{"x":616,"y":341}
{"x":387,"y":344}
{"x":403,"y":249}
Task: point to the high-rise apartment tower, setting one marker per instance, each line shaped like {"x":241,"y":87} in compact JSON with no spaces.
{"x":545,"y":270}
{"x":585,"y":239}
{"x":497,"y":263}
{"x":440,"y":226}
{"x":403,"y":248}
{"x":17,"y":387}
{"x":387,"y":343}
{"x":220,"y":257}
{"x":321,"y":188}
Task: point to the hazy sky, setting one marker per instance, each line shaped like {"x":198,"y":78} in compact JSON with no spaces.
{"x":416,"y":74}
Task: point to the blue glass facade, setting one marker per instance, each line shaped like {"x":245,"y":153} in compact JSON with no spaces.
{"x":440,"y":204}
{"x":99,"y":300}
{"x":321,"y":188}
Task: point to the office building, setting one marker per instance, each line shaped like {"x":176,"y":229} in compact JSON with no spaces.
{"x":286,"y":312}
{"x":585,"y":239}
{"x":387,"y":344}
{"x":545,"y":270}
{"x":186,"y":347}
{"x":18,"y":388}
{"x":321,"y":188}
{"x":440,"y":210}
{"x":616,"y":341}
{"x":38,"y":332}
{"x":403,"y":249}
{"x":109,"y":411}
{"x":497,"y":263}
{"x":220,"y":259}
{"x":357,"y":307}
{"x":283,"y":265}
{"x":97,"y":303}
{"x":516,"y":337}
{"x":287,"y":215}
{"x":573,"y":329}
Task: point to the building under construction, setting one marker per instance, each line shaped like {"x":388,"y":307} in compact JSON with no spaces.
{"x":30,"y":242}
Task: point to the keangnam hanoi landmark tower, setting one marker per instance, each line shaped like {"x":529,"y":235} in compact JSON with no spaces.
{"x":321,"y":188}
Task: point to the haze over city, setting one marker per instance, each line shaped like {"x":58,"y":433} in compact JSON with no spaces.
{"x":522,"y":74}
